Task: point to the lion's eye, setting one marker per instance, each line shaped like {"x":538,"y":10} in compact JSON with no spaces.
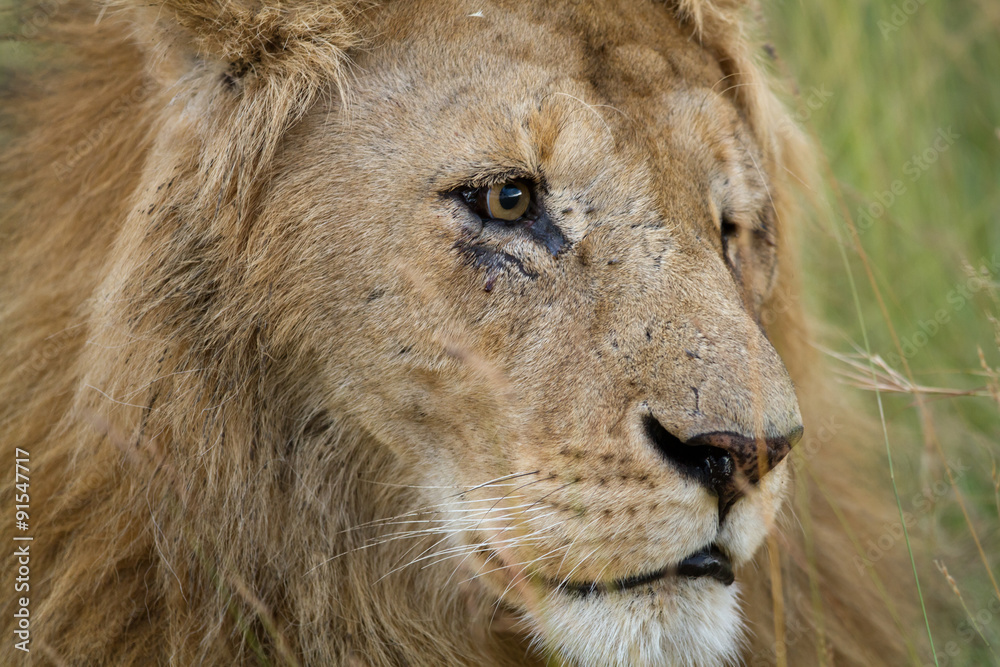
{"x":507,"y":211}
{"x":507,"y":201}
{"x":730,"y":235}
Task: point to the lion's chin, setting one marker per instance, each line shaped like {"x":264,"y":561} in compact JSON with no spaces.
{"x":679,"y":622}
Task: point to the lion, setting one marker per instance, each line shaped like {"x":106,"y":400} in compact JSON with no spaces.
{"x":419,"y":333}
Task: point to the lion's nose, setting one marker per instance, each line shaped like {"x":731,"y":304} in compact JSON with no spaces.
{"x":724,"y":462}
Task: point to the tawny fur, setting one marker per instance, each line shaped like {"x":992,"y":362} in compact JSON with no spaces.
{"x":206,"y":488}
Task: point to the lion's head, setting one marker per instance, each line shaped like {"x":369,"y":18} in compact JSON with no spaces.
{"x":467,"y":294}
{"x":530,"y":259}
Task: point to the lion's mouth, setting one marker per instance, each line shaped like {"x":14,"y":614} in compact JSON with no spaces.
{"x":708,"y":562}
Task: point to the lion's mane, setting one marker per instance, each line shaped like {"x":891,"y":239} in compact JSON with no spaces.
{"x":170,"y":438}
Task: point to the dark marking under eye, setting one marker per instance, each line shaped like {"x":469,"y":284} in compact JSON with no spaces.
{"x":491,"y":259}
{"x":535,"y":222}
{"x":543,"y":230}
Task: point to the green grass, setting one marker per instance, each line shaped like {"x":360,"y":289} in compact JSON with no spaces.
{"x":884,"y":85}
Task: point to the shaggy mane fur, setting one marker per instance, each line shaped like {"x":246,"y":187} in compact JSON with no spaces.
{"x":140,"y":346}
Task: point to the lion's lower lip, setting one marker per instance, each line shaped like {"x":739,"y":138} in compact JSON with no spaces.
{"x":708,"y":562}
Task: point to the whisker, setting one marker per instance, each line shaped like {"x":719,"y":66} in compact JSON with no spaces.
{"x":452,"y":486}
{"x":499,"y":481}
{"x":533,"y":536}
{"x":739,"y":85}
{"x":591,"y":108}
{"x":447,"y":534}
{"x":461,"y":524}
{"x":723,"y":78}
{"x":577,"y":566}
{"x":513,"y":580}
{"x":532,"y":505}
{"x":524,"y":565}
{"x":421,"y":510}
{"x":512,"y":542}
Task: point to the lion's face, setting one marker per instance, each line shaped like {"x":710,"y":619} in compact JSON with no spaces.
{"x":532,"y":249}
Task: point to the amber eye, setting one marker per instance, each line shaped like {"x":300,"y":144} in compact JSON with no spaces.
{"x":507,"y":201}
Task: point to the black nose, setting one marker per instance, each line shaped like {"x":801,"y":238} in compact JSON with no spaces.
{"x":724,"y":462}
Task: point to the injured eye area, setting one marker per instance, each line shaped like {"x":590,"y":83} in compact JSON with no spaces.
{"x":742,"y":232}
{"x":512,"y":208}
{"x":503,"y":202}
{"x":748,"y":243}
{"x":730,"y":232}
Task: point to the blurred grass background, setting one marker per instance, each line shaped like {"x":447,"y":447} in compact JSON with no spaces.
{"x":904,"y":99}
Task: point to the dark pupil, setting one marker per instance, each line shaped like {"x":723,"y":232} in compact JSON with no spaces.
{"x":510,"y":194}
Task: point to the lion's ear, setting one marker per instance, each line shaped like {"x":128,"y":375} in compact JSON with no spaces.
{"x":247,"y":39}
{"x":728,"y":29}
{"x":234,"y":75}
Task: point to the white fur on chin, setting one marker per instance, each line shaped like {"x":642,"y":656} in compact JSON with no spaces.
{"x":682,"y":623}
